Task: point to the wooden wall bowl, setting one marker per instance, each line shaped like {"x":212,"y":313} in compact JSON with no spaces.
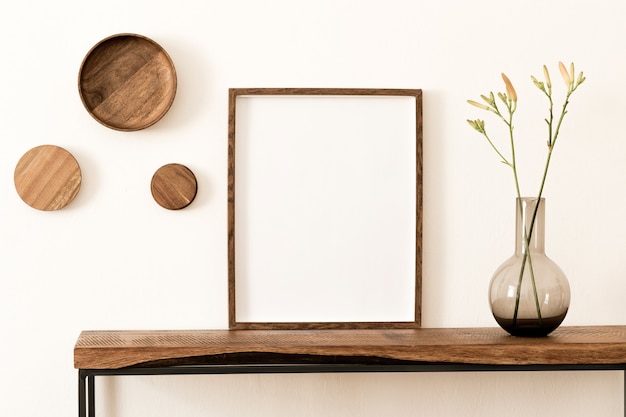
{"x":127,"y":82}
{"x":47,"y":177}
{"x":174,"y":186}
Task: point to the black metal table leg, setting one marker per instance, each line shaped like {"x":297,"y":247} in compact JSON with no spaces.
{"x":86,"y":394}
{"x":82,"y":394}
{"x":91,"y":395}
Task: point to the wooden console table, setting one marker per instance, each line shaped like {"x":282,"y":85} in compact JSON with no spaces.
{"x":187,"y":352}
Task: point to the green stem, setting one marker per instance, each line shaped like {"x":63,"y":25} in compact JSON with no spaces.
{"x":513,"y":164}
{"x":532,"y":222}
{"x":526,"y":256}
{"x":551,"y":142}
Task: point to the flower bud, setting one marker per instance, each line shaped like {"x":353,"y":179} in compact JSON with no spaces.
{"x":546,"y":75}
{"x":477,"y":104}
{"x":538,"y":83}
{"x":509,"y":88}
{"x":488,"y":100}
{"x":478,"y":125}
{"x":565,"y":74}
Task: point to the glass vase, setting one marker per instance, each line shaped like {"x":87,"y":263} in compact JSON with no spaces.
{"x":529,"y":294}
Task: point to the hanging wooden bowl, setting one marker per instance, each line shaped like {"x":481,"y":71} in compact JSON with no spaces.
{"x":127,"y":82}
{"x":47,"y":177}
{"x":174,"y":186}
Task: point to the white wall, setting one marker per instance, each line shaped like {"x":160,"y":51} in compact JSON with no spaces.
{"x":114,"y":259}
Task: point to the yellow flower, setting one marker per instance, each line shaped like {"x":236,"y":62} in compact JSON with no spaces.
{"x":509,"y":88}
{"x":565,"y":74}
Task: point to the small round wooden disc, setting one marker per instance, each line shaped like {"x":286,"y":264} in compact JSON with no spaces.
{"x":174,"y":186}
{"x":127,"y":82}
{"x":47,"y":177}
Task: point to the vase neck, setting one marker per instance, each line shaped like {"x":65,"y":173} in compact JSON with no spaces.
{"x":530,"y":222}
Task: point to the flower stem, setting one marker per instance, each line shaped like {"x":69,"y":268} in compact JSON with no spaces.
{"x":552,"y":137}
{"x":527,"y":234}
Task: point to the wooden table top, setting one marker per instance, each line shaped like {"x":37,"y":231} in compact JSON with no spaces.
{"x":106,"y":349}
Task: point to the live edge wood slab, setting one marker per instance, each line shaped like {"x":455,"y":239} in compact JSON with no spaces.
{"x":588,"y":345}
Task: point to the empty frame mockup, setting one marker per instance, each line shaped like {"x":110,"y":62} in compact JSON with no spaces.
{"x":324,"y":208}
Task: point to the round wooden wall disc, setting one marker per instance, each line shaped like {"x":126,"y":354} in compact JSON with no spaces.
{"x":127,"y":82}
{"x":47,"y":177}
{"x":174,"y":186}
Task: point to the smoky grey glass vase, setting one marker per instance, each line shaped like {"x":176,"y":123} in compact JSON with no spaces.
{"x":529,"y":294}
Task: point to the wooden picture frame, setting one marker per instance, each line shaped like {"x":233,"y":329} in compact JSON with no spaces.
{"x":365,"y":151}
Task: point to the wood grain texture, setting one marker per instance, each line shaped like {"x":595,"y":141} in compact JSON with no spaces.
{"x":234,"y":323}
{"x":174,"y":186}
{"x":127,"y":82}
{"x":47,"y":177}
{"x":485,"y":346}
